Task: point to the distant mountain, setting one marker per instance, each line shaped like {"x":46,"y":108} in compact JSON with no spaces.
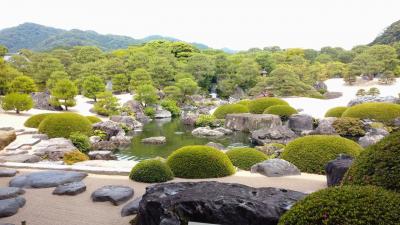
{"x":41,"y":38}
{"x":390,"y":35}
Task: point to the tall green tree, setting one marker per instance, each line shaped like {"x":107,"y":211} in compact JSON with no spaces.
{"x":22,"y":84}
{"x":140,"y":77}
{"x":17,"y":102}
{"x":146,"y":94}
{"x":120,"y":83}
{"x":63,"y":93}
{"x":91,"y":86}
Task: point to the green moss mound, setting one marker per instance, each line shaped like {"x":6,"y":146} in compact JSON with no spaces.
{"x":378,"y":165}
{"x":93,"y":119}
{"x":281,"y":110}
{"x":35,"y":120}
{"x":259,"y":105}
{"x":245,"y":158}
{"x":223,"y":110}
{"x":336,"y":111}
{"x":379,"y":111}
{"x":349,"y":205}
{"x":311,"y":153}
{"x":151,"y":171}
{"x":74,"y":157}
{"x":64,"y":124}
{"x":244,"y":102}
{"x":199,"y":161}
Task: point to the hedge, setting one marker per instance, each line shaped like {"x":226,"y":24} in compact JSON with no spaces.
{"x":223,"y":110}
{"x":259,"y":105}
{"x":336,"y":111}
{"x":245,"y":158}
{"x":379,"y":111}
{"x":151,"y":171}
{"x":64,"y":124}
{"x":281,"y":110}
{"x":93,"y":119}
{"x":35,"y":120}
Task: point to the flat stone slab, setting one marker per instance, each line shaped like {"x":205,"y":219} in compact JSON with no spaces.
{"x":73,"y":188}
{"x":9,"y":207}
{"x":131,"y":208}
{"x":155,"y":140}
{"x":7,"y":172}
{"x":45,"y":179}
{"x":248,"y":122}
{"x":275,"y":168}
{"x":22,"y":142}
{"x":24,"y":158}
{"x":113,"y":193}
{"x":10,"y":192}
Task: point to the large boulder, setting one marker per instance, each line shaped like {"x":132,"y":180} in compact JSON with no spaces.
{"x":279,"y":134}
{"x":207,"y":132}
{"x":41,"y":100}
{"x":336,"y":169}
{"x":53,"y":149}
{"x":364,"y":99}
{"x":110,"y":127}
{"x":275,"y":168}
{"x":320,"y":86}
{"x":128,"y":121}
{"x":213,"y":202}
{"x":162,"y":113}
{"x":138,"y":109}
{"x":45,"y":179}
{"x":131,"y":207}
{"x":248,"y":122}
{"x":372,"y":137}
{"x":6,"y":137}
{"x":300,"y":122}
{"x":112,"y":193}
{"x":325,"y":126}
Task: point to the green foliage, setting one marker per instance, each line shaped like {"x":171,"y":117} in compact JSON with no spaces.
{"x":74,"y":157}
{"x":244,"y":102}
{"x":107,"y":104}
{"x":80,"y":141}
{"x":379,"y":111}
{"x":346,"y":126}
{"x":173,"y":92}
{"x":92,"y":86}
{"x":361,"y":92}
{"x":223,"y":110}
{"x":140,"y":77}
{"x":93,"y":119}
{"x":64,"y":93}
{"x":388,"y":77}
{"x":35,"y":120}
{"x":259,"y":105}
{"x":281,"y":110}
{"x":205,"y":120}
{"x":390,"y":35}
{"x":17,"y":102}
{"x":378,"y":165}
{"x":120,"y":83}
{"x":355,"y":205}
{"x":171,"y":106}
{"x":311,"y":153}
{"x":336,"y":111}
{"x":151,"y":171}
{"x":150,"y":111}
{"x":374,"y":91}
{"x":64,"y":124}
{"x":146,"y":94}
{"x":54,"y":77}
{"x":198,"y":161}
{"x":187,"y":86}
{"x":245,"y":158}
{"x":22,"y":84}
{"x":100,"y":133}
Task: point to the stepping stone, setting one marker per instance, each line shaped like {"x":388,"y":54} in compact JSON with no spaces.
{"x":7,"y":172}
{"x":70,"y":188}
{"x":9,"y":207}
{"x":131,"y":207}
{"x":10,"y":192}
{"x":45,"y":179}
{"x":19,"y":143}
{"x":113,"y":193}
{"x":24,"y":158}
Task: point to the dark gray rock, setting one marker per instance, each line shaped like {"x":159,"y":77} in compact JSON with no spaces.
{"x":7,"y":172}
{"x":396,"y":122}
{"x":9,"y":207}
{"x":248,"y":122}
{"x":325,"y":126}
{"x":42,"y":101}
{"x":131,"y":207}
{"x":275,"y":168}
{"x":320,"y":86}
{"x":45,"y":179}
{"x":336,"y":169}
{"x":10,"y":192}
{"x":113,"y":193}
{"x":300,"y":122}
{"x":73,"y":188}
{"x":279,"y":134}
{"x":213,"y":202}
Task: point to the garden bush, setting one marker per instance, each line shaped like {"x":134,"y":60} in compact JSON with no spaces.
{"x":171,"y":106}
{"x":244,"y":102}
{"x":348,"y":205}
{"x":151,"y":171}
{"x":347,"y":126}
{"x":336,"y":111}
{"x":80,"y":141}
{"x":311,"y":153}
{"x":35,"y":120}
{"x":379,"y":111}
{"x":199,"y":161}
{"x":378,"y":165}
{"x":223,"y":110}
{"x":93,"y":119}
{"x":74,"y":157}
{"x":245,"y":158}
{"x":205,"y":120}
{"x":259,"y":105}
{"x":284,"y":111}
{"x":150,"y":111}
{"x":64,"y":124}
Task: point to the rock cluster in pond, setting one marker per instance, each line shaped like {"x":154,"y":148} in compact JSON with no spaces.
{"x":155,"y":140}
{"x":6,"y":137}
{"x":45,"y":179}
{"x":364,"y":99}
{"x":275,"y":168}
{"x":248,"y":122}
{"x":115,"y":135}
{"x":336,"y":169}
{"x":278,"y":134}
{"x":213,"y":202}
{"x":209,"y":132}
{"x":128,"y":121}
{"x":112,"y":193}
{"x":10,"y":200}
{"x":73,"y":188}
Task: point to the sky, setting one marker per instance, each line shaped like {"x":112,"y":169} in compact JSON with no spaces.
{"x":235,"y":24}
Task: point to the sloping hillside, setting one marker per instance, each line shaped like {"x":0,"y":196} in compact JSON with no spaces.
{"x":390,"y":35}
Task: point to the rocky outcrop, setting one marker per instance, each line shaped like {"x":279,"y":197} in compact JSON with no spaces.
{"x":278,"y":134}
{"x":275,"y":168}
{"x":6,"y":137}
{"x":131,"y":207}
{"x":101,"y":155}
{"x":73,"y":188}
{"x":213,"y":202}
{"x":162,"y":113}
{"x":364,"y":99}
{"x":372,"y":137}
{"x":54,"y":148}
{"x":112,"y":193}
{"x":45,"y":179}
{"x":41,"y":100}
{"x":300,"y":122}
{"x":104,"y":146}
{"x":110,"y":127}
{"x":206,"y":132}
{"x":137,"y":108}
{"x":336,"y":169}
{"x":320,"y":86}
{"x":325,"y":126}
{"x":189,"y":119}
{"x":248,"y":122}
{"x":155,"y":140}
{"x":128,"y":121}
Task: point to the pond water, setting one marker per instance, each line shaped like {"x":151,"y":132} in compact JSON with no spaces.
{"x":178,"y":135}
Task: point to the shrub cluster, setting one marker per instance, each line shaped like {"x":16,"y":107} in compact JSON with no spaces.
{"x":336,"y":111}
{"x":245,"y":158}
{"x":64,"y":124}
{"x":379,"y":111}
{"x":35,"y":120}
{"x":151,"y":171}
{"x":284,"y":111}
{"x":347,"y":126}
{"x":74,"y":157}
{"x":223,"y":110}
{"x":311,"y":153}
{"x":199,"y":161}
{"x":205,"y":120}
{"x":171,"y":106}
{"x":150,"y":111}
{"x":80,"y":141}
{"x":93,"y":119}
{"x":244,"y":102}
{"x":259,"y":105}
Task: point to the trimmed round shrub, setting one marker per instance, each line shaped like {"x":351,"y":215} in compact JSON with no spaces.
{"x":245,"y":158}
{"x":80,"y":141}
{"x":199,"y":161}
{"x":311,"y":153}
{"x":347,"y":126}
{"x":74,"y":157}
{"x":35,"y":120}
{"x":355,"y":205}
{"x":64,"y":124}
{"x":223,"y":110}
{"x":336,"y":111}
{"x":259,"y":105}
{"x":93,"y":119}
{"x":151,"y":171}
{"x":378,"y":165}
{"x":379,"y":111}
{"x":281,"y":110}
{"x":244,"y":102}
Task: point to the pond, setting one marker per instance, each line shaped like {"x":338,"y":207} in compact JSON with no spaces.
{"x":178,"y":135}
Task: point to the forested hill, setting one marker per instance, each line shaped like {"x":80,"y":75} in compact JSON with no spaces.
{"x":390,"y":35}
{"x":40,"y":38}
